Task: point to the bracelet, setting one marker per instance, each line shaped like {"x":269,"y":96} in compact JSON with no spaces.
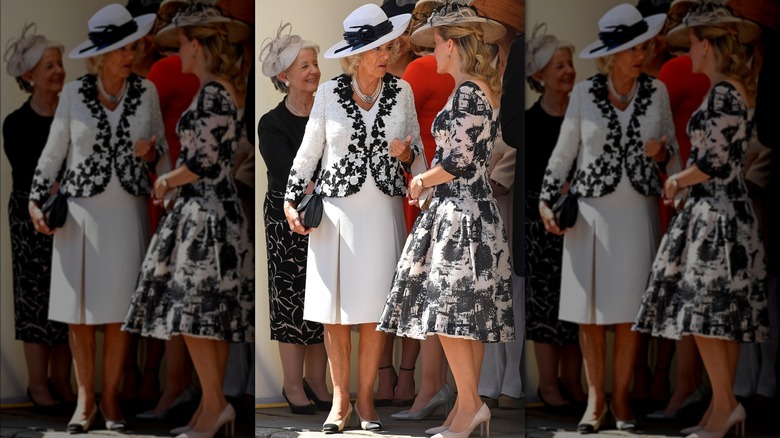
{"x":408,"y":156}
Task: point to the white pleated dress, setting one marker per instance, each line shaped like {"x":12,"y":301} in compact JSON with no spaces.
{"x":608,"y":254}
{"x":98,"y":253}
{"x":353,"y":253}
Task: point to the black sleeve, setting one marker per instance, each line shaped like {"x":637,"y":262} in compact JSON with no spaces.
{"x":768,"y":95}
{"x":513,"y":96}
{"x":249,"y":106}
{"x":513,"y":130}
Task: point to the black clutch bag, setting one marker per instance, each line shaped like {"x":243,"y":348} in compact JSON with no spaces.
{"x":310,"y":210}
{"x":566,"y":210}
{"x":55,"y":210}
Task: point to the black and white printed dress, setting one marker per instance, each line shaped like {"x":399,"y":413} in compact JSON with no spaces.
{"x":454,"y":276}
{"x":708,"y":277}
{"x":198,"y":276}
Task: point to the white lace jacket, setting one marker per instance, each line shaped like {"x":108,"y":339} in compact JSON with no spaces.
{"x":337,"y":148}
{"x":82,"y":150}
{"x":592,"y":148}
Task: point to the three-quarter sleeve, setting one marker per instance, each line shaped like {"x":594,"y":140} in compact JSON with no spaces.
{"x":725,"y":118}
{"x":470,"y":112}
{"x":56,"y":150}
{"x":566,"y":149}
{"x":213,"y":110}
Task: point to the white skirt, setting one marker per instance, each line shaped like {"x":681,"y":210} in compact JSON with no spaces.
{"x":352,"y":257}
{"x":97,"y":256}
{"x":607,"y":256}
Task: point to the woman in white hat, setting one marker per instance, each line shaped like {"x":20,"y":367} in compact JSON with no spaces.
{"x":549,"y":70}
{"x":36,"y":64}
{"x":616,"y":135}
{"x":292,"y":65}
{"x":361,"y":136}
{"x":106,"y":136}
{"x":454,"y":276}
{"x":708,"y":278}
{"x":197,"y":280}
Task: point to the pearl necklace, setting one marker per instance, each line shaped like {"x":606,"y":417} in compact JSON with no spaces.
{"x":111,"y":98}
{"x":365,"y":97}
{"x":623,"y":99}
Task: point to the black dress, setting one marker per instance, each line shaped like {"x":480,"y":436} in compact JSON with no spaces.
{"x":24,"y":136}
{"x":543,"y":250}
{"x":280,"y":133}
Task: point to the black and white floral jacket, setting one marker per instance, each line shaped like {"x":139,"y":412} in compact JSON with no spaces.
{"x":592,"y":148}
{"x":338,"y":148}
{"x":82,"y":150}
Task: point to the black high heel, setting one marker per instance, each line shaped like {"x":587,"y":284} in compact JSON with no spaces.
{"x":309,"y":409}
{"x":382,"y":402}
{"x":322,"y":405}
{"x":55,"y":408}
{"x":564,"y":409}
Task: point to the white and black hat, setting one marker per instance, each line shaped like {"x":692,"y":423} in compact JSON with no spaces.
{"x":111,"y":28}
{"x":365,"y":28}
{"x":621,"y":28}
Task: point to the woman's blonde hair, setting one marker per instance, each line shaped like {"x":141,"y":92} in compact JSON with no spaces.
{"x":474,"y":54}
{"x":349,"y":64}
{"x":222,"y":58}
{"x":732,"y":58}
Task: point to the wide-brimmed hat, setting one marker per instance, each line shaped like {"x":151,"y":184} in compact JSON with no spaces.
{"x":365,"y":28}
{"x":23,"y":53}
{"x":621,"y":28}
{"x":112,"y":28}
{"x":200,"y":14}
{"x":540,"y":48}
{"x":455,"y":14}
{"x":277,"y":54}
{"x":708,"y":14}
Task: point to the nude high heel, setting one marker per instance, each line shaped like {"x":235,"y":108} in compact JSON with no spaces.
{"x":481,"y":419}
{"x":226,"y":418}
{"x":736,"y":419}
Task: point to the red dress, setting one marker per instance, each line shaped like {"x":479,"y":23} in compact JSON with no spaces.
{"x":431,"y":91}
{"x":176,"y":91}
{"x":686,"y":92}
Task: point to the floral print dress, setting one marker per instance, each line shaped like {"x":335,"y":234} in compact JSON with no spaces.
{"x":454,"y":275}
{"x":708,"y":277}
{"x":198,"y":275}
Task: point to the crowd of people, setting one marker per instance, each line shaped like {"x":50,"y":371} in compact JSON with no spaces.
{"x":405,"y":199}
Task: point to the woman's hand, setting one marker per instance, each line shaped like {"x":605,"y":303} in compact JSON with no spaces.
{"x":402,"y":149}
{"x":145,"y":148}
{"x":548,"y":218}
{"x":161,"y":187}
{"x":671,"y":186}
{"x":293,"y":219}
{"x":656,"y":149}
{"x":38,"y":219}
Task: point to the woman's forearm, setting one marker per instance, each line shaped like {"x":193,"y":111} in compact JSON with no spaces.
{"x":435,"y":175}
{"x":180,"y":176}
{"x":690,"y":176}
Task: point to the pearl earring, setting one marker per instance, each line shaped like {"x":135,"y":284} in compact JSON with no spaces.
{"x":286,"y":83}
{"x":32,"y":84}
{"x":541,"y":83}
